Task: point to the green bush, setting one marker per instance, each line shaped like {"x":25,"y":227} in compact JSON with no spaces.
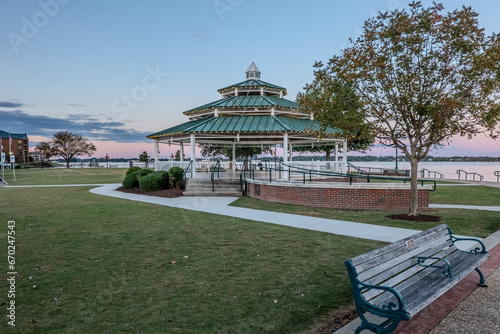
{"x":176,"y":175}
{"x":132,"y":169}
{"x":132,"y":180}
{"x":154,"y":181}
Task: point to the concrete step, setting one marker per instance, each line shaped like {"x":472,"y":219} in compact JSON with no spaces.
{"x":203,"y":187}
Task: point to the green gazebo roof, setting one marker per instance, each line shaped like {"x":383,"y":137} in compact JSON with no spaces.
{"x":247,"y":101}
{"x":252,"y":83}
{"x":245,"y":124}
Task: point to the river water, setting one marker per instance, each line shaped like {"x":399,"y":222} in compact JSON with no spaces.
{"x":448,"y":168}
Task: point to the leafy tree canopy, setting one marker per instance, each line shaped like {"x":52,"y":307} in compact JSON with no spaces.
{"x":416,"y":78}
{"x":69,"y":145}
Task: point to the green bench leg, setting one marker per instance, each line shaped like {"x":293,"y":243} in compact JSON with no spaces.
{"x":481,"y":278}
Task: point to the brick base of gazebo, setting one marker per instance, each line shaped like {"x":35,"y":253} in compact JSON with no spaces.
{"x":359,"y":196}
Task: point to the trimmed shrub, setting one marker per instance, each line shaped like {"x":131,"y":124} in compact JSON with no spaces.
{"x":176,"y":175}
{"x":154,"y":181}
{"x":132,"y":180}
{"x":132,"y":169}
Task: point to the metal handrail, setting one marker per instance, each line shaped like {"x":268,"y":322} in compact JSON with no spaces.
{"x":186,"y":171}
{"x":497,"y":174}
{"x":305,"y":171}
{"x":212,"y":176}
{"x":350,"y":165}
{"x":459,"y":171}
{"x":431,"y":172}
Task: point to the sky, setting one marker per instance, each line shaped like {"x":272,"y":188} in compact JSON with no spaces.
{"x":116,"y":71}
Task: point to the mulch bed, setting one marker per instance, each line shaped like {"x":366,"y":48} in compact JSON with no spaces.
{"x":419,"y":218}
{"x":167,"y":193}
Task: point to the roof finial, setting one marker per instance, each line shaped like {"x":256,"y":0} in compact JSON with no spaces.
{"x":253,"y":72}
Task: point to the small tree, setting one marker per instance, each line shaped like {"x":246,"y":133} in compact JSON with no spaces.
{"x":69,"y":145}
{"x":46,"y":151}
{"x":178,"y":155}
{"x":421,"y":77}
{"x":144,"y":157}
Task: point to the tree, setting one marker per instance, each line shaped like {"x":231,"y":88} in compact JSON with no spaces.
{"x":421,"y":78}
{"x":178,"y":155}
{"x":144,"y":157}
{"x":46,"y":151}
{"x":69,"y":145}
{"x":245,"y":152}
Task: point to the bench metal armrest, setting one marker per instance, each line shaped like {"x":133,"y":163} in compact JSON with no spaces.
{"x":447,"y":266}
{"x":480,"y":249}
{"x":391,"y":306}
{"x":391,"y":310}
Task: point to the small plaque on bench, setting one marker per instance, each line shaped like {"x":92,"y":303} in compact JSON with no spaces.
{"x":410,"y":243}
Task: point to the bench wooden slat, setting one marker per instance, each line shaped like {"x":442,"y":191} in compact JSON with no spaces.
{"x":401,"y":256}
{"x":398,"y":249}
{"x":367,"y":260}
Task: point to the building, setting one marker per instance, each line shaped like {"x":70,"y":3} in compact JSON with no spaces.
{"x":249,"y":113}
{"x":18,"y":143}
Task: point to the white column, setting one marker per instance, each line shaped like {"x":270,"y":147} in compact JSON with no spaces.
{"x":336,"y":156}
{"x":285,"y":153}
{"x":290,"y":152}
{"x":234,"y":157}
{"x":344,"y":156}
{"x":182,"y":152}
{"x":193,"y":158}
{"x":157,"y":153}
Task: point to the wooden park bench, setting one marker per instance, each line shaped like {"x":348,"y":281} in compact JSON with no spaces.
{"x":397,"y":281}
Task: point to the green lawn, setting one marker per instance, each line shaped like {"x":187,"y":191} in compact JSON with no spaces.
{"x":92,"y":264}
{"x":466,"y":195}
{"x":64,"y":176}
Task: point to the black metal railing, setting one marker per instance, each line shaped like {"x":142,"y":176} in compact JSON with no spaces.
{"x":434,"y":173}
{"x":212,"y":176}
{"x":289,"y":169}
{"x":461,"y":171}
{"x":190,"y":165}
{"x":497,"y":174}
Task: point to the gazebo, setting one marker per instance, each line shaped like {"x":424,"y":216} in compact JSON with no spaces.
{"x":249,"y":113}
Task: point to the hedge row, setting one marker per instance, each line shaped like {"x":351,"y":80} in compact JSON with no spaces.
{"x":147,"y":180}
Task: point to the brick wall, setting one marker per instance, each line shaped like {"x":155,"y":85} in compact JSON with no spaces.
{"x":358,"y":198}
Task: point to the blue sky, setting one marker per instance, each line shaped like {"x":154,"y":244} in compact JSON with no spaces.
{"x":115,"y":71}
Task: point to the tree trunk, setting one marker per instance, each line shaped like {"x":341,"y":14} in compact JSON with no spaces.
{"x":414,"y":187}
{"x":328,"y":155}
{"x":67,"y":163}
{"x":245,"y":163}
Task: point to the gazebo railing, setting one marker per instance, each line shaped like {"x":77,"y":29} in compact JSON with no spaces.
{"x":308,"y":173}
{"x":434,"y":173}
{"x":461,"y":171}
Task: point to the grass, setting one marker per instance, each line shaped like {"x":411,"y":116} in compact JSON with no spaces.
{"x":62,"y":176}
{"x":93,"y":264}
{"x":466,"y":222}
{"x":466,"y":195}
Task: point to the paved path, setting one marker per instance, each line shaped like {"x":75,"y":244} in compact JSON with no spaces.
{"x":220,"y":206}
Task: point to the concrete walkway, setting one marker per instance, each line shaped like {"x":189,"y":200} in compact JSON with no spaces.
{"x":220,"y":206}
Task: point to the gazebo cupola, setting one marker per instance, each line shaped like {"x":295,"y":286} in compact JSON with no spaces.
{"x":249,"y":113}
{"x":253,"y":72}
